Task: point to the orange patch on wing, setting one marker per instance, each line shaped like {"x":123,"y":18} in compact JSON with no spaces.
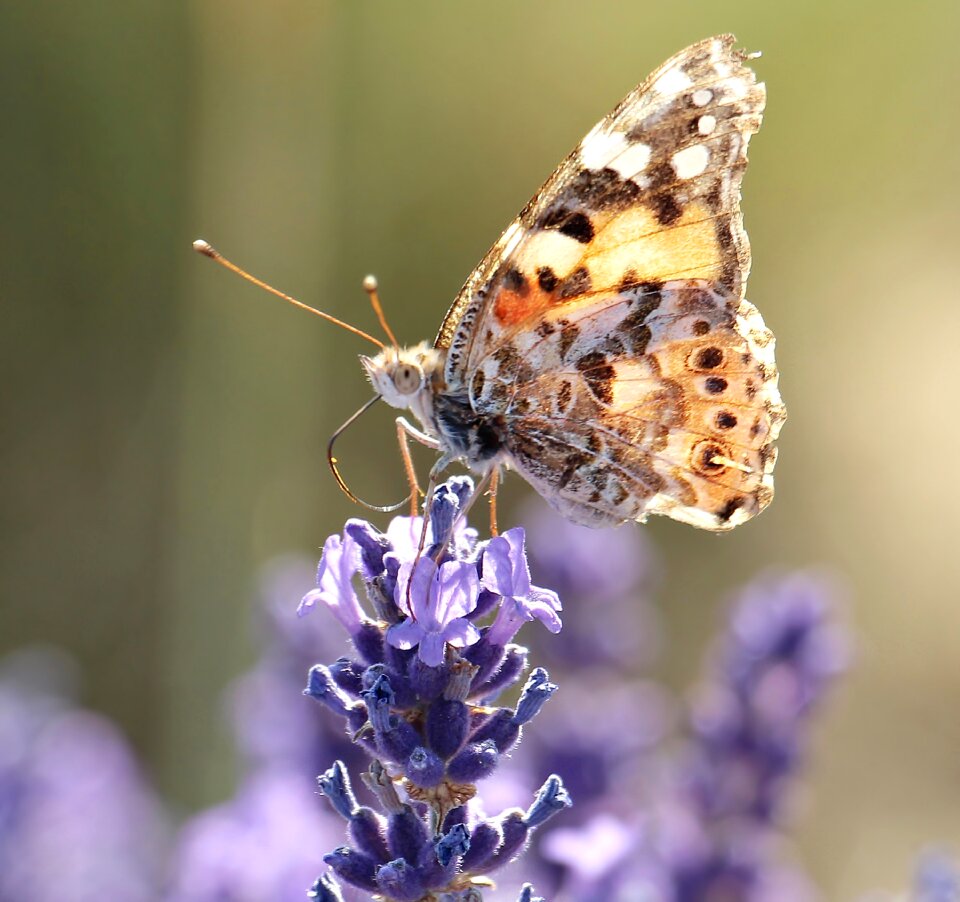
{"x":513,"y":307}
{"x":635,"y":241}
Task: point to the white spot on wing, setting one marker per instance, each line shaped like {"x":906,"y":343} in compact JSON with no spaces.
{"x":691,"y":161}
{"x":599,"y":148}
{"x":603,"y":150}
{"x":633,"y":160}
{"x":673,"y":81}
{"x":706,"y":124}
{"x":702,"y":97}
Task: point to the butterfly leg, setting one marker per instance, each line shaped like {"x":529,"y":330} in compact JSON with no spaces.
{"x":406,"y":431}
{"x":494,"y":486}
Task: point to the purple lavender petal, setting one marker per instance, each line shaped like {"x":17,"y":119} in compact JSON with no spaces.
{"x":520,"y":572}
{"x":497,"y":567}
{"x":460,"y":633}
{"x":458,"y":590}
{"x":432,"y":649}
{"x":407,"y":634}
{"x":418,"y":585}
{"x":338,"y":565}
{"x":511,"y":616}
{"x":543,"y":605}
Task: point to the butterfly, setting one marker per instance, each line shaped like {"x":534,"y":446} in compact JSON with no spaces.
{"x":603,"y":348}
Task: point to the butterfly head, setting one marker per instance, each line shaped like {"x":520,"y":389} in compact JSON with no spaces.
{"x":400,"y":375}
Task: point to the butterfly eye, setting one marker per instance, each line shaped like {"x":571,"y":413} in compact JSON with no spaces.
{"x":407,"y":379}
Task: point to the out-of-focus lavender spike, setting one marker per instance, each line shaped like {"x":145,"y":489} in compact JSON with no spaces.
{"x":73,"y":800}
{"x":937,"y":879}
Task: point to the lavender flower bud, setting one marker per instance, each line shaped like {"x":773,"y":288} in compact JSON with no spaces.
{"x":399,"y":741}
{"x":485,"y":839}
{"x":455,"y":843}
{"x":424,"y":767}
{"x":366,"y":828}
{"x":500,"y":728}
{"x":368,"y":834}
{"x":476,"y":761}
{"x":406,"y":834}
{"x":368,"y":641}
{"x":347,"y":675}
{"x":380,"y":698}
{"x":514,"y":834}
{"x":462,"y":487}
{"x":335,"y":785}
{"x":321,"y":686}
{"x":499,"y":668}
{"x":536,"y":692}
{"x":373,"y":546}
{"x":378,"y":781}
{"x":400,"y":882}
{"x":405,"y":695}
{"x":551,"y":799}
{"x":428,"y":682}
{"x":447,"y":724}
{"x":355,"y":868}
{"x":443,"y":513}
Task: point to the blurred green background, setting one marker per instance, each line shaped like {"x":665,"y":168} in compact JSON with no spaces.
{"x":164,"y":423}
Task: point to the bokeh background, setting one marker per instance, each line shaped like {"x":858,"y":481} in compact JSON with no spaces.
{"x":163,"y":423}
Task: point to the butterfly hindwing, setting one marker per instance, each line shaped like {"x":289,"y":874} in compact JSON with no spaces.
{"x":651,"y":402}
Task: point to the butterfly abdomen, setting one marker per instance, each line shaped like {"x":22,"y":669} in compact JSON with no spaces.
{"x":476,"y":438}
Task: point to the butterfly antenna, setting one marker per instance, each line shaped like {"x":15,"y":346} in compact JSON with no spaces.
{"x":332,"y":461}
{"x":370,"y":287}
{"x":202,"y":247}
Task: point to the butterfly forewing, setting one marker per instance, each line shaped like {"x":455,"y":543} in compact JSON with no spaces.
{"x":606,"y":331}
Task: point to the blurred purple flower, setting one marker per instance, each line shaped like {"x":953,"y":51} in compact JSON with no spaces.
{"x":711,"y":813}
{"x":604,"y":565}
{"x":76,"y":815}
{"x":606,"y":577}
{"x":267,"y":841}
{"x":937,"y":879}
{"x":781,"y":652}
{"x":598,"y":736}
{"x":262,"y":844}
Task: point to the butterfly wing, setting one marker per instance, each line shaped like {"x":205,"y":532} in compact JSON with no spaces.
{"x":607,"y":329}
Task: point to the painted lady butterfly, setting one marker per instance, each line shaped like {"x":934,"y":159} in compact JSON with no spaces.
{"x":603,"y":348}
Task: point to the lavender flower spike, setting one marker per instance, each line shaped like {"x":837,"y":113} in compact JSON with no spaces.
{"x":419,"y":697}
